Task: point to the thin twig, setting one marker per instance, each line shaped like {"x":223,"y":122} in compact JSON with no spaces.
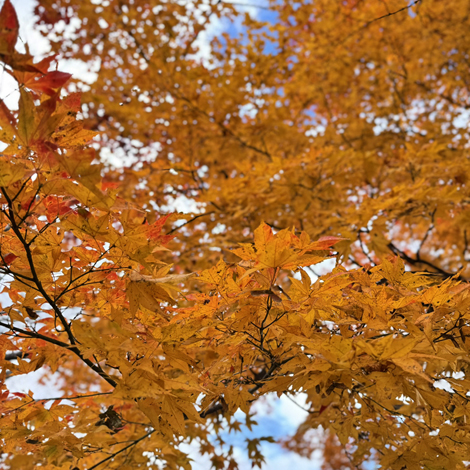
{"x":35,"y":335}
{"x":296,"y":404}
{"x":413,"y":262}
{"x":248,"y":5}
{"x":190,"y":220}
{"x":426,"y":235}
{"x":122,"y":450}
{"x":76,"y":397}
{"x":368,"y":23}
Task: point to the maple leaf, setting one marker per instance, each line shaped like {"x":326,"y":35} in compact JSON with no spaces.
{"x":9,"y":27}
{"x":338,"y":124}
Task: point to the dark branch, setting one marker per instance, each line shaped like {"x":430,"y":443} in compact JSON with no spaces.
{"x":15,"y":355}
{"x":190,"y":220}
{"x":368,"y":23}
{"x":72,"y":348}
{"x":414,"y":262}
{"x":58,"y":313}
{"x":133,"y":443}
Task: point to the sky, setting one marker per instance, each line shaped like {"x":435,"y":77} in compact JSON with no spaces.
{"x":275,"y":417}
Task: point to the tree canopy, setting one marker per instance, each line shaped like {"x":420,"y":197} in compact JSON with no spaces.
{"x":314,"y":130}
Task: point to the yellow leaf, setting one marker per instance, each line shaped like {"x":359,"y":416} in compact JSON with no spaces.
{"x":26,"y":121}
{"x":72,"y":135}
{"x":10,"y":172}
{"x":411,"y":366}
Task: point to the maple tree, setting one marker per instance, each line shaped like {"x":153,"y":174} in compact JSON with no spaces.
{"x":335,"y":131}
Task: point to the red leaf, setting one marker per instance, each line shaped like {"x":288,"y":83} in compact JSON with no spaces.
{"x":44,"y":64}
{"x":57,"y":206}
{"x":325,"y":242}
{"x":50,"y":82}
{"x":9,"y":258}
{"x":8,"y":28}
{"x":73,"y":101}
{"x":26,"y":204}
{"x":7,"y":120}
{"x":109,"y":185}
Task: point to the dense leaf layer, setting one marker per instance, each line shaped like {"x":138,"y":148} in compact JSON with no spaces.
{"x":331,"y":132}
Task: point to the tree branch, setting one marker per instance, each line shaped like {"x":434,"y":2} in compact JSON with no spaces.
{"x":15,"y":355}
{"x":368,"y":23}
{"x":415,"y":262}
{"x":133,"y":443}
{"x":190,"y":220}
{"x":72,"y":347}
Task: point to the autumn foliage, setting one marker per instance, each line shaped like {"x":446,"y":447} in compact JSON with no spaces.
{"x":316,"y":130}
